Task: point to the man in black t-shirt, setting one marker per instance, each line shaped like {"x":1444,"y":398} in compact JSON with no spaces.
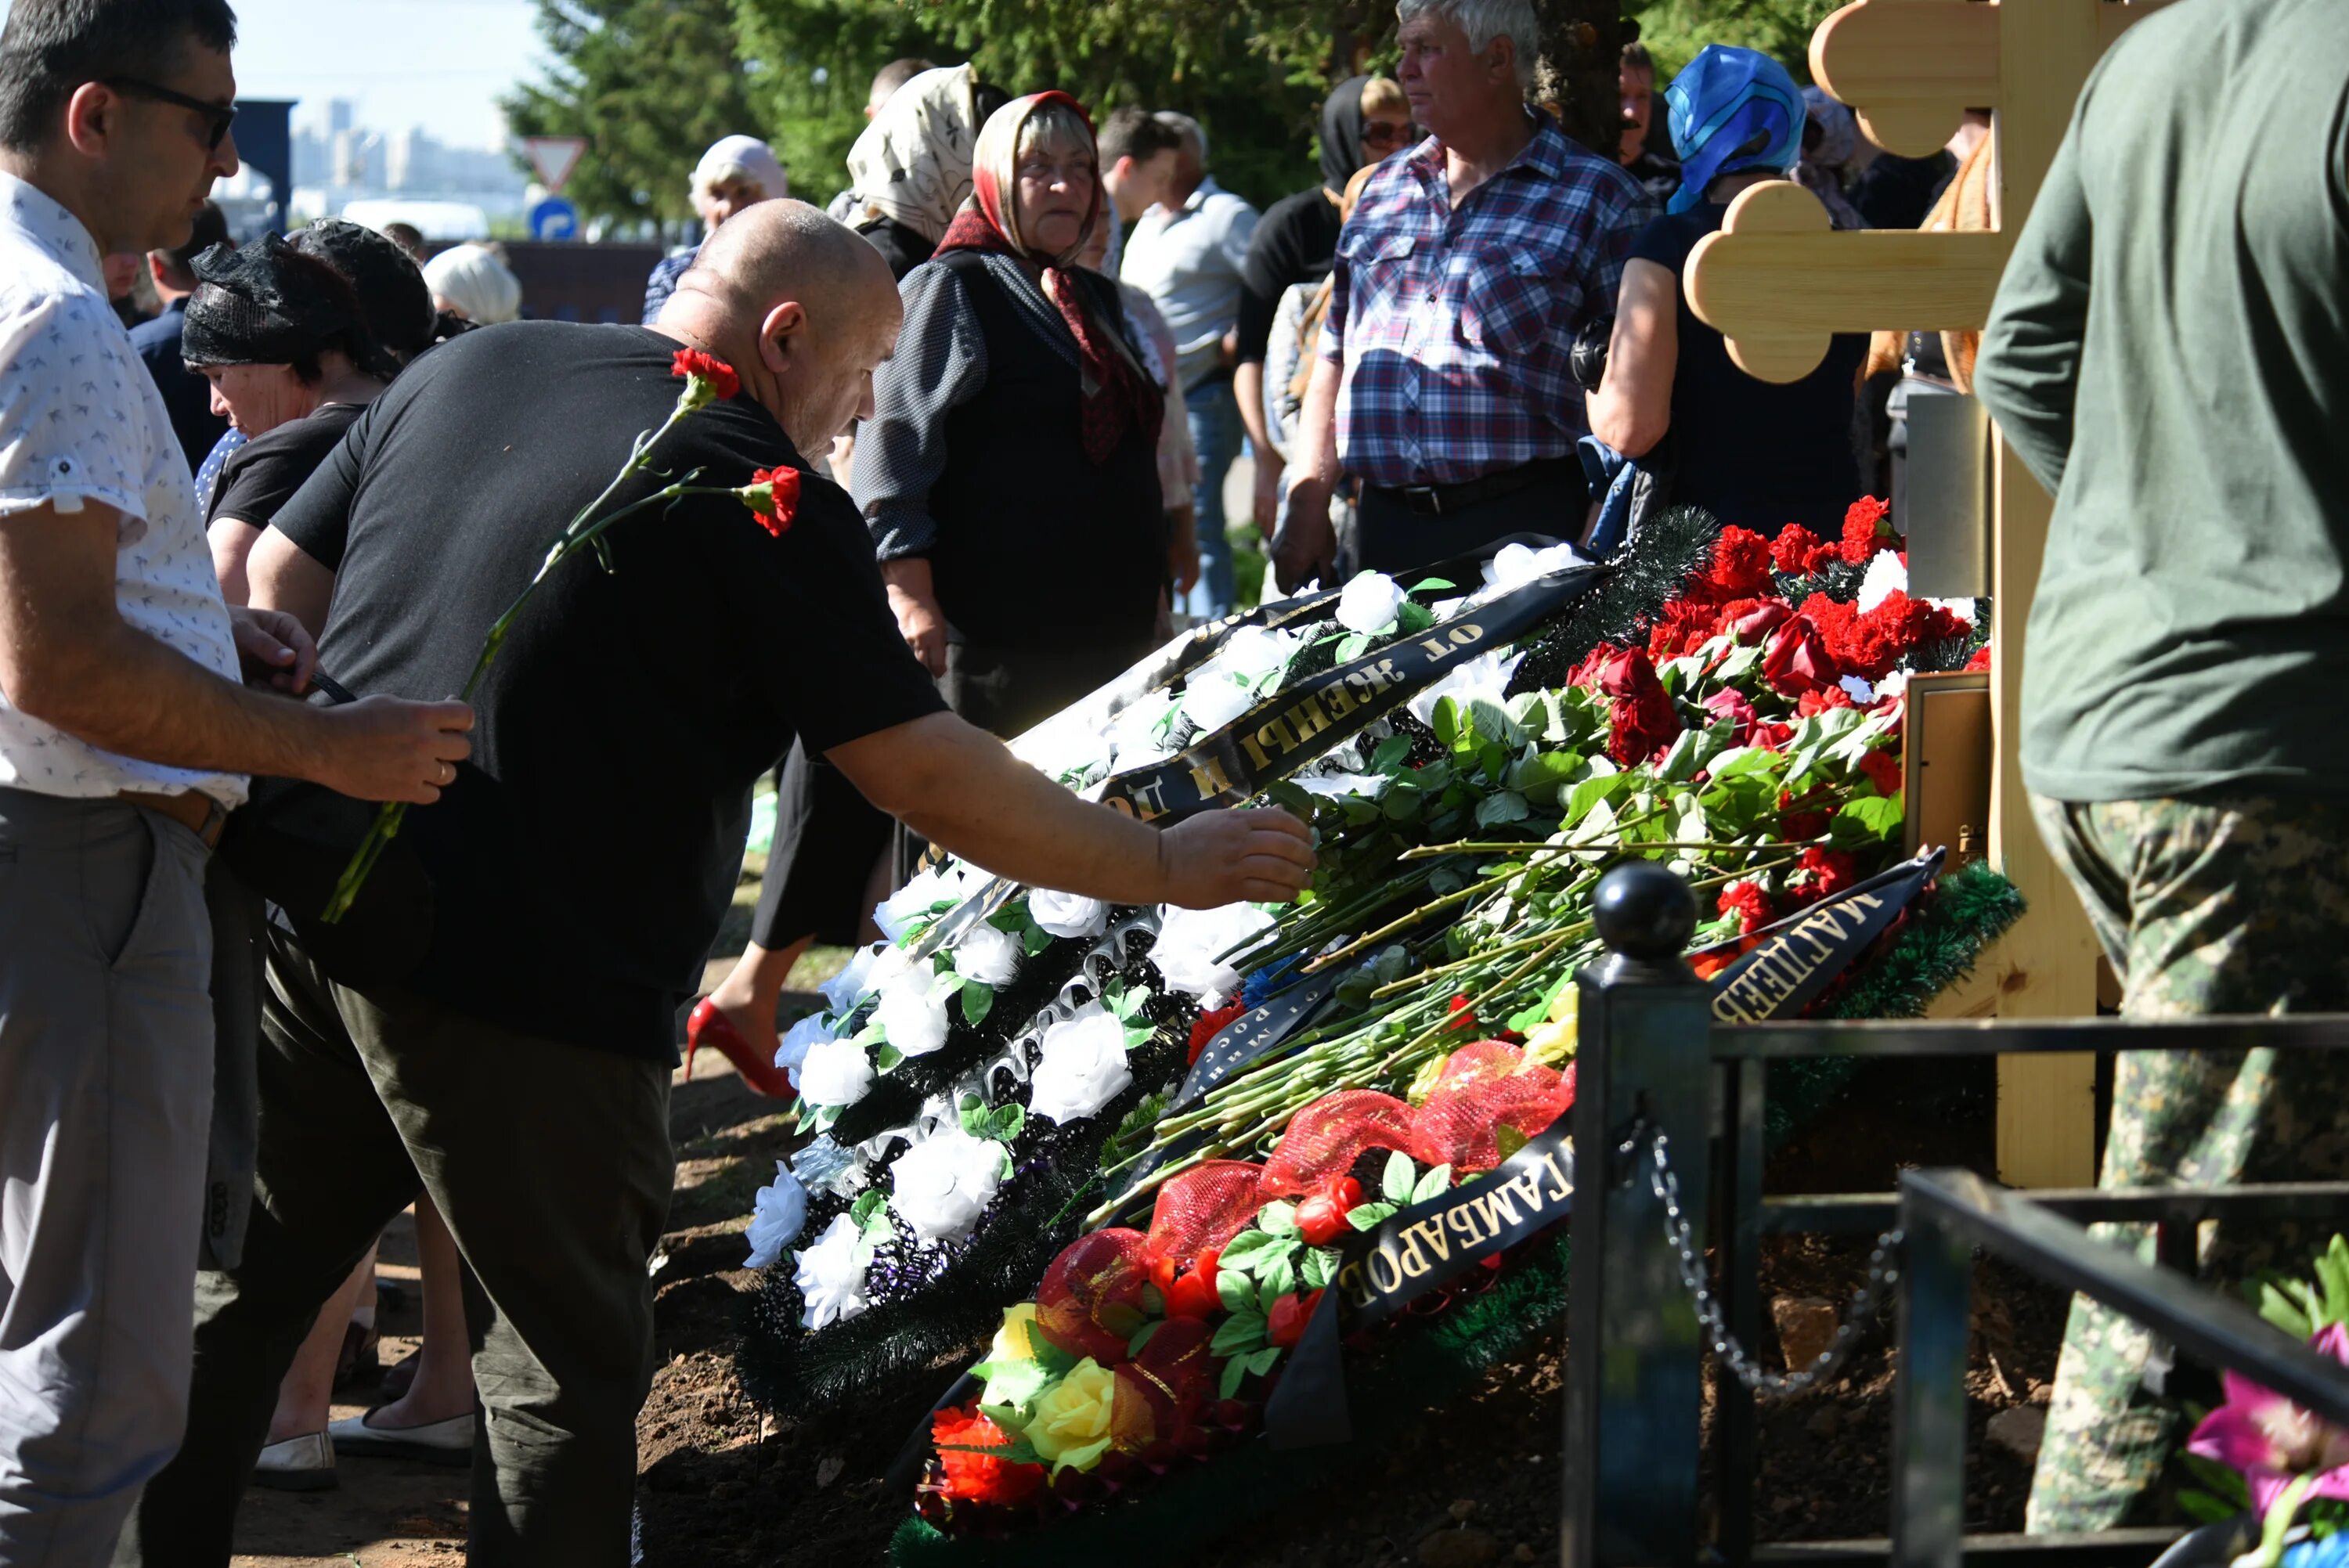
{"x":579,"y":867}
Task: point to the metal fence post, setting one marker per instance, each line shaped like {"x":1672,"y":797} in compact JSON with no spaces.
{"x":1634,"y":1351}
{"x":1928,"y":1397}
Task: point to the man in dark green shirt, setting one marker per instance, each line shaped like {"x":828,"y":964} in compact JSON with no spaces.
{"x":2170,"y":352}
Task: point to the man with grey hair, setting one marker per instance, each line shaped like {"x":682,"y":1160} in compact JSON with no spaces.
{"x":1186,"y":253}
{"x":1470,"y":264}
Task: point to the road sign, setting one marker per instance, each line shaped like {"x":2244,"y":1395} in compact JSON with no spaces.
{"x":555,"y":218}
{"x":554,"y":157}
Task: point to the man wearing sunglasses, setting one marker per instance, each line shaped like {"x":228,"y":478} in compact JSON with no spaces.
{"x":125,"y":735}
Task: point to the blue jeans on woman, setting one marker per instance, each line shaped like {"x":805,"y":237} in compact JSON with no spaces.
{"x":1216,"y":431}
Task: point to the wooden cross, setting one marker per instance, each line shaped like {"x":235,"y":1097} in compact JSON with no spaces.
{"x":1777,"y":283}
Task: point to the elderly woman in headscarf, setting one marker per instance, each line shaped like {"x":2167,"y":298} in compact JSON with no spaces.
{"x":1009,"y":471}
{"x":737,"y":171}
{"x":470,"y":282}
{"x":1830,"y":146}
{"x":292,"y":358}
{"x":1364,"y":120}
{"x":1010,"y":475}
{"x":1755,"y":454}
{"x":909,"y":171}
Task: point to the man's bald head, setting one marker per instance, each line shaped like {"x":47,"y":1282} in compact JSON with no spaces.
{"x":801,"y":306}
{"x":783,"y":250}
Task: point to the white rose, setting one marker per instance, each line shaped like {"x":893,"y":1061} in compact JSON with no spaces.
{"x":987,"y":955}
{"x":941,"y":1185}
{"x":844,"y":989}
{"x":1192,"y":942}
{"x":831,"y":1274}
{"x":1213,"y":700}
{"x":911,"y":1015}
{"x":1068,"y":913}
{"x":778,"y":1213}
{"x":1858,"y":690}
{"x":1083,"y":1067}
{"x":1133,"y":735}
{"x":1257,"y":653}
{"x":1514,"y":565}
{"x":910,"y":905}
{"x":803,"y":1037}
{"x":1331,"y":786}
{"x":1485,"y":675}
{"x":1370,"y":602}
{"x":835,"y":1073}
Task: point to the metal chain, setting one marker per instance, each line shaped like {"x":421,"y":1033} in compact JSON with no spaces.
{"x":1883,"y":1271}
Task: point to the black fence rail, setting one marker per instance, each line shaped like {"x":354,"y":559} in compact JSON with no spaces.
{"x":1665,"y":1096}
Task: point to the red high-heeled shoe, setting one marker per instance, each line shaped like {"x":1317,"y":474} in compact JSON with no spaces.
{"x":709,"y":1026}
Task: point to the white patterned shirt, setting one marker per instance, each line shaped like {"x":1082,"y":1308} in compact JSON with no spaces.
{"x":80,"y":420}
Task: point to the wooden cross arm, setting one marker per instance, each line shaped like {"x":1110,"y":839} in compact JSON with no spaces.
{"x":1909,"y":68}
{"x":1778,"y":282}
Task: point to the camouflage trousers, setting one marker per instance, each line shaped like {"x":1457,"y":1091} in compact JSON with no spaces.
{"x":2224,"y":904}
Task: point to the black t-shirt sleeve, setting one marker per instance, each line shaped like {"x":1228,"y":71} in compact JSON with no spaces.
{"x":834,"y":665}
{"x":1277,"y":256}
{"x":317,"y":515}
{"x":261,"y":476}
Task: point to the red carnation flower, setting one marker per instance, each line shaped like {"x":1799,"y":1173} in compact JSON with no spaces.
{"x":1740,"y":568}
{"x":708,"y":368}
{"x":1864,"y":526}
{"x":1791,"y":552}
{"x":980,"y":1478}
{"x":1827,"y":871}
{"x":1825,"y":699}
{"x":1210,"y":1024}
{"x":1685,"y":626}
{"x":1748,"y":903}
{"x":1883,"y":770}
{"x":773,"y":498}
{"x":1981,"y":661}
{"x":1796,"y":822}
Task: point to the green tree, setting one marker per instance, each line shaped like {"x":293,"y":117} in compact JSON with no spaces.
{"x":650,"y":84}
{"x":1674,"y":30}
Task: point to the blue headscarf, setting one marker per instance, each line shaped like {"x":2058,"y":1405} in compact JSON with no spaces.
{"x":1722,"y":100}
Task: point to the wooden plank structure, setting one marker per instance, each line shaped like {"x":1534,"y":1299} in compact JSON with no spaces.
{"x":1777,"y":283}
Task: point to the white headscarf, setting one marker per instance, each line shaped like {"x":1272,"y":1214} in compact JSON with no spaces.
{"x":912,"y":164}
{"x":747,"y":153}
{"x":475,"y":283}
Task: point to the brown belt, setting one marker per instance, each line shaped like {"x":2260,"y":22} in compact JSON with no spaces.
{"x":195,"y":810}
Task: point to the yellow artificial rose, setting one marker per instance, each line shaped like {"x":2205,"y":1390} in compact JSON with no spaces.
{"x":1553,"y":1043}
{"x":1070,"y":1423}
{"x":1015,"y":1341}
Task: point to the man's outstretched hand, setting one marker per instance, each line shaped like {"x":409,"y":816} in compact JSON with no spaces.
{"x":1216,"y":857}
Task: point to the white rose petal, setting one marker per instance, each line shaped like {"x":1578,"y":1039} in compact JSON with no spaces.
{"x":1485,"y":675}
{"x":831,"y":1274}
{"x":1514,"y":565}
{"x":1133,"y":735}
{"x":1068,"y":913}
{"x":912,"y":1018}
{"x":1370,"y":602}
{"x":1330,"y":786}
{"x":910,"y":905}
{"x":803,"y":1037}
{"x":778,"y":1213}
{"x":836,"y":1073}
{"x":844,"y":989}
{"x":941,"y":1185}
{"x":826,"y":1165}
{"x":1966,"y":610}
{"x":1859,"y":691}
{"x":1213,"y":700}
{"x":1191,"y":945}
{"x":1083,"y":1067}
{"x":1894,"y":684}
{"x":987,"y":955}
{"x":1884,"y":573}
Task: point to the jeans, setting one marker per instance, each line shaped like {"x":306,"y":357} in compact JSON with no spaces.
{"x":1216,"y":431}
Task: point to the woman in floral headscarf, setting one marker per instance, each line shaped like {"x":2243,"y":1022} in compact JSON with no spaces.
{"x":1008,"y":473}
{"x":1753,"y":453}
{"x":909,"y":172}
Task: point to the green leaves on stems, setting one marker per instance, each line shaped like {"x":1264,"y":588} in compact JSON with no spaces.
{"x":999,"y":1125}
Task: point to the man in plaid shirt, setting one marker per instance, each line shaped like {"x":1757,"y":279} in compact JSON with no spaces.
{"x":1469,"y":267}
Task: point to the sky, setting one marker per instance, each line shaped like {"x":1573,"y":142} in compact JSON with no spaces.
{"x":437,"y":63}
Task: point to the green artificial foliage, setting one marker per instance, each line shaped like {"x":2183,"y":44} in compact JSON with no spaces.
{"x":1422,"y":1362}
{"x":1672,"y":546}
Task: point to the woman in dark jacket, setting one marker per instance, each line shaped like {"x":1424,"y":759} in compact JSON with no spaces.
{"x":1008,"y":473}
